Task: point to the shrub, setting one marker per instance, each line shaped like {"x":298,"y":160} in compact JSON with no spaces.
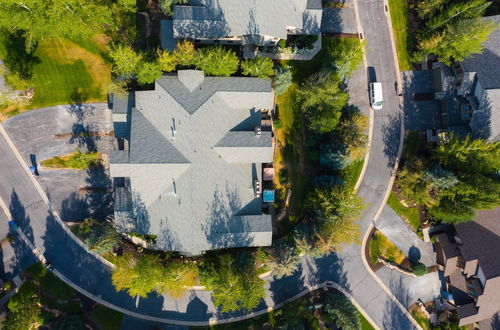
{"x":126,"y":61}
{"x":261,"y":67}
{"x":419,"y":269}
{"x":148,"y":72}
{"x":217,"y":61}
{"x":186,"y":53}
{"x":168,"y":61}
{"x":282,"y":80}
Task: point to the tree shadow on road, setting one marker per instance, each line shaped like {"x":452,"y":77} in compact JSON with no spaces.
{"x":22,"y":256}
{"x":394,"y":318}
{"x":391,"y":137}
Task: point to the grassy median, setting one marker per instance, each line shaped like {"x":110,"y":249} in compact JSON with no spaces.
{"x":402,"y":32}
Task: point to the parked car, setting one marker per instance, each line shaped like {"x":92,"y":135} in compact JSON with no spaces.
{"x":376,"y":98}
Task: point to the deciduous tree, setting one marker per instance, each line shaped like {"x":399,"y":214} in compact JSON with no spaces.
{"x":217,"y":61}
{"x":125,"y":61}
{"x":234,"y":287}
{"x":40,"y":19}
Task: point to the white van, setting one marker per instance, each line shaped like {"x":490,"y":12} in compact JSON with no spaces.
{"x":376,"y":99}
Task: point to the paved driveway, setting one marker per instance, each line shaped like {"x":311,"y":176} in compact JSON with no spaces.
{"x":419,"y":115}
{"x":55,"y":131}
{"x":396,"y":229}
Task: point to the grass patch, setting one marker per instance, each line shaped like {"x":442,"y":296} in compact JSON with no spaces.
{"x":68,"y":73}
{"x":61,"y":71}
{"x":108,"y":319}
{"x":291,"y":155}
{"x":413,"y":145}
{"x":410,"y":214}
{"x":49,"y":283}
{"x":352,"y":173}
{"x":76,"y":160}
{"x":365,"y":325}
{"x":420,"y":317}
{"x":402,"y":33}
{"x":55,"y":287}
{"x":380,"y":246}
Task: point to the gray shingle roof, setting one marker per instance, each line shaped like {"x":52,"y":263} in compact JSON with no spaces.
{"x":148,"y":146}
{"x":481,"y":240}
{"x":222,"y":18}
{"x":192,"y":100}
{"x":184,"y":190}
{"x":486,"y":66}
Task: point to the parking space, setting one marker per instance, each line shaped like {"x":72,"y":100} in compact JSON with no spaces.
{"x":59,"y":130}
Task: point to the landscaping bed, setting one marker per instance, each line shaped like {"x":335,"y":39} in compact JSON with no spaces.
{"x":76,"y":160}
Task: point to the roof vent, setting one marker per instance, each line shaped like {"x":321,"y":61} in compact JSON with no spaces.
{"x":258,"y":131}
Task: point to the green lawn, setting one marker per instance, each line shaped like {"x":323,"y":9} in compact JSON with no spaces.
{"x":67,"y":73}
{"x":61,"y":71}
{"x":352,"y":173}
{"x":410,"y":214}
{"x":402,"y":33}
{"x":108,"y":319}
{"x":49,"y":283}
{"x":292,"y":154}
{"x":365,"y":325}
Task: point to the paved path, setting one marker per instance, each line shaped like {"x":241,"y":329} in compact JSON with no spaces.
{"x":398,"y":232}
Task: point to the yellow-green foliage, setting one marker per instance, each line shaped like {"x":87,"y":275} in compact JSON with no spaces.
{"x":77,"y":160}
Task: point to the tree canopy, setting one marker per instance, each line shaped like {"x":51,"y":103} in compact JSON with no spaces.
{"x":261,"y":67}
{"x":40,"y":19}
{"x":322,"y":100}
{"x":141,"y":275}
{"x":452,"y":30}
{"x":217,"y":61}
{"x":460,"y":177}
{"x":25,"y":311}
{"x":343,"y":312}
{"x":99,"y":236}
{"x":235,"y":285}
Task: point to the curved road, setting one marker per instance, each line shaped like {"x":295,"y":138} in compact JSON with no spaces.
{"x":73,"y":262}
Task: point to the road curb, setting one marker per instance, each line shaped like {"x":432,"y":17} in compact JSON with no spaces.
{"x":44,"y":197}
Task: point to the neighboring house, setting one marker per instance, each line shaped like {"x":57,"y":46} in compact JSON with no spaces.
{"x":470,"y":90}
{"x":188,"y":168}
{"x":470,"y":256}
{"x":245,"y":22}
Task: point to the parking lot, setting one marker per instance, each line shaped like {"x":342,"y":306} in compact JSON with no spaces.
{"x":59,"y":130}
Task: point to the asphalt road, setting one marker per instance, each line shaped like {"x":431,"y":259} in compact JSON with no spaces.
{"x":347,"y":268}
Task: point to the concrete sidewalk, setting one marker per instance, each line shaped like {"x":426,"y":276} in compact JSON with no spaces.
{"x":398,"y":231}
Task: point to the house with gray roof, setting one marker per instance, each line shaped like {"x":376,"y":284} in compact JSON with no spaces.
{"x":470,"y":257}
{"x":187,"y":168}
{"x":242,"y":22}
{"x":476,"y":80}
